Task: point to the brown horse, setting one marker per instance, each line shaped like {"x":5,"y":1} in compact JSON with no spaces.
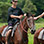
{"x":20,"y":34}
{"x":36,"y":40}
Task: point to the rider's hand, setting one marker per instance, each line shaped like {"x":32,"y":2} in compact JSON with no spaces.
{"x":35,"y":18}
{"x":43,"y":13}
{"x":20,"y":17}
{"x":25,"y":14}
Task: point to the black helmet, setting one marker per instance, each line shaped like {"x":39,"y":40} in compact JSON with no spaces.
{"x":12,"y":0}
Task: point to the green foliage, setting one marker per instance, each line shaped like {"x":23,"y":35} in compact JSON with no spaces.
{"x":39,"y":3}
{"x":21,"y":3}
{"x":29,"y":7}
{"x":40,"y":6}
{"x":3,"y":0}
{"x":4,"y":11}
{"x":8,"y":1}
{"x":39,"y":20}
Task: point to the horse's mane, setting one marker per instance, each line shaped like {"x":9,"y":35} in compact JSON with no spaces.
{"x":24,"y":18}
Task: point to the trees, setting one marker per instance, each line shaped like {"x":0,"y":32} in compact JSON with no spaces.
{"x":4,"y":11}
{"x":29,"y":6}
{"x":40,"y":6}
{"x":3,"y":0}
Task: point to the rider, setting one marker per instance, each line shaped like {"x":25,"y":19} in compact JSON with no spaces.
{"x":14,"y":14}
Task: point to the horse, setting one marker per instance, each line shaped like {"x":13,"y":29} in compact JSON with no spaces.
{"x":21,"y":32}
{"x":36,"y":39}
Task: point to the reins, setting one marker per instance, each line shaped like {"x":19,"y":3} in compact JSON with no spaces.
{"x":23,"y":28}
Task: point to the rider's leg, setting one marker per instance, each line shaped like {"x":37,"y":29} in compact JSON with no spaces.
{"x":8,"y":32}
{"x":7,"y":35}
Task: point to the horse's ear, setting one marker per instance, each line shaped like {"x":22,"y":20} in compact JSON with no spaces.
{"x":27,"y":14}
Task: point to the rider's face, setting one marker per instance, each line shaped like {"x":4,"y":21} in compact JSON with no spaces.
{"x":15,"y":2}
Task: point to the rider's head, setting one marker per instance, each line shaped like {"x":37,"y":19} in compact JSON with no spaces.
{"x":14,"y":2}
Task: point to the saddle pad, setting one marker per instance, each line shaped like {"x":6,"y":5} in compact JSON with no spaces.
{"x":7,"y":28}
{"x":41,"y":35}
{"x":4,"y":31}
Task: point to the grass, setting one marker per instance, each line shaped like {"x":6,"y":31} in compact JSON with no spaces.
{"x":2,"y":24}
{"x":30,"y":36}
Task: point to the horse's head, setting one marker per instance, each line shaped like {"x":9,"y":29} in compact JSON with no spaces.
{"x":30,"y":22}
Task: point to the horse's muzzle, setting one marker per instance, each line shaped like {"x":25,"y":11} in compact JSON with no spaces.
{"x":33,"y":31}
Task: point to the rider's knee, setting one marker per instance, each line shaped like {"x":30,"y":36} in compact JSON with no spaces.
{"x":8,"y":32}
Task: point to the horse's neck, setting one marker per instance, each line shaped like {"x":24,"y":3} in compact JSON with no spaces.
{"x":22,"y":33}
{"x":25,"y":23}
{"x":25,"y":26}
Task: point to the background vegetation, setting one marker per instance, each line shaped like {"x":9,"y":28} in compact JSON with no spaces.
{"x":34,"y":6}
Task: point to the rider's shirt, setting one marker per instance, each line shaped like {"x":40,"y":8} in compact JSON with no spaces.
{"x":14,"y":11}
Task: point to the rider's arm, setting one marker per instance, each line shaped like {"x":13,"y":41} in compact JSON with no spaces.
{"x":13,"y":16}
{"x":39,"y":16}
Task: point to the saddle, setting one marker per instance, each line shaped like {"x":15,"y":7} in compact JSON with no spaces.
{"x":41,"y":35}
{"x":7,"y":28}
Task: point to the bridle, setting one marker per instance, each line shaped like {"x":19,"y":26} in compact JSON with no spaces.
{"x":28,"y":26}
{"x":23,"y":28}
